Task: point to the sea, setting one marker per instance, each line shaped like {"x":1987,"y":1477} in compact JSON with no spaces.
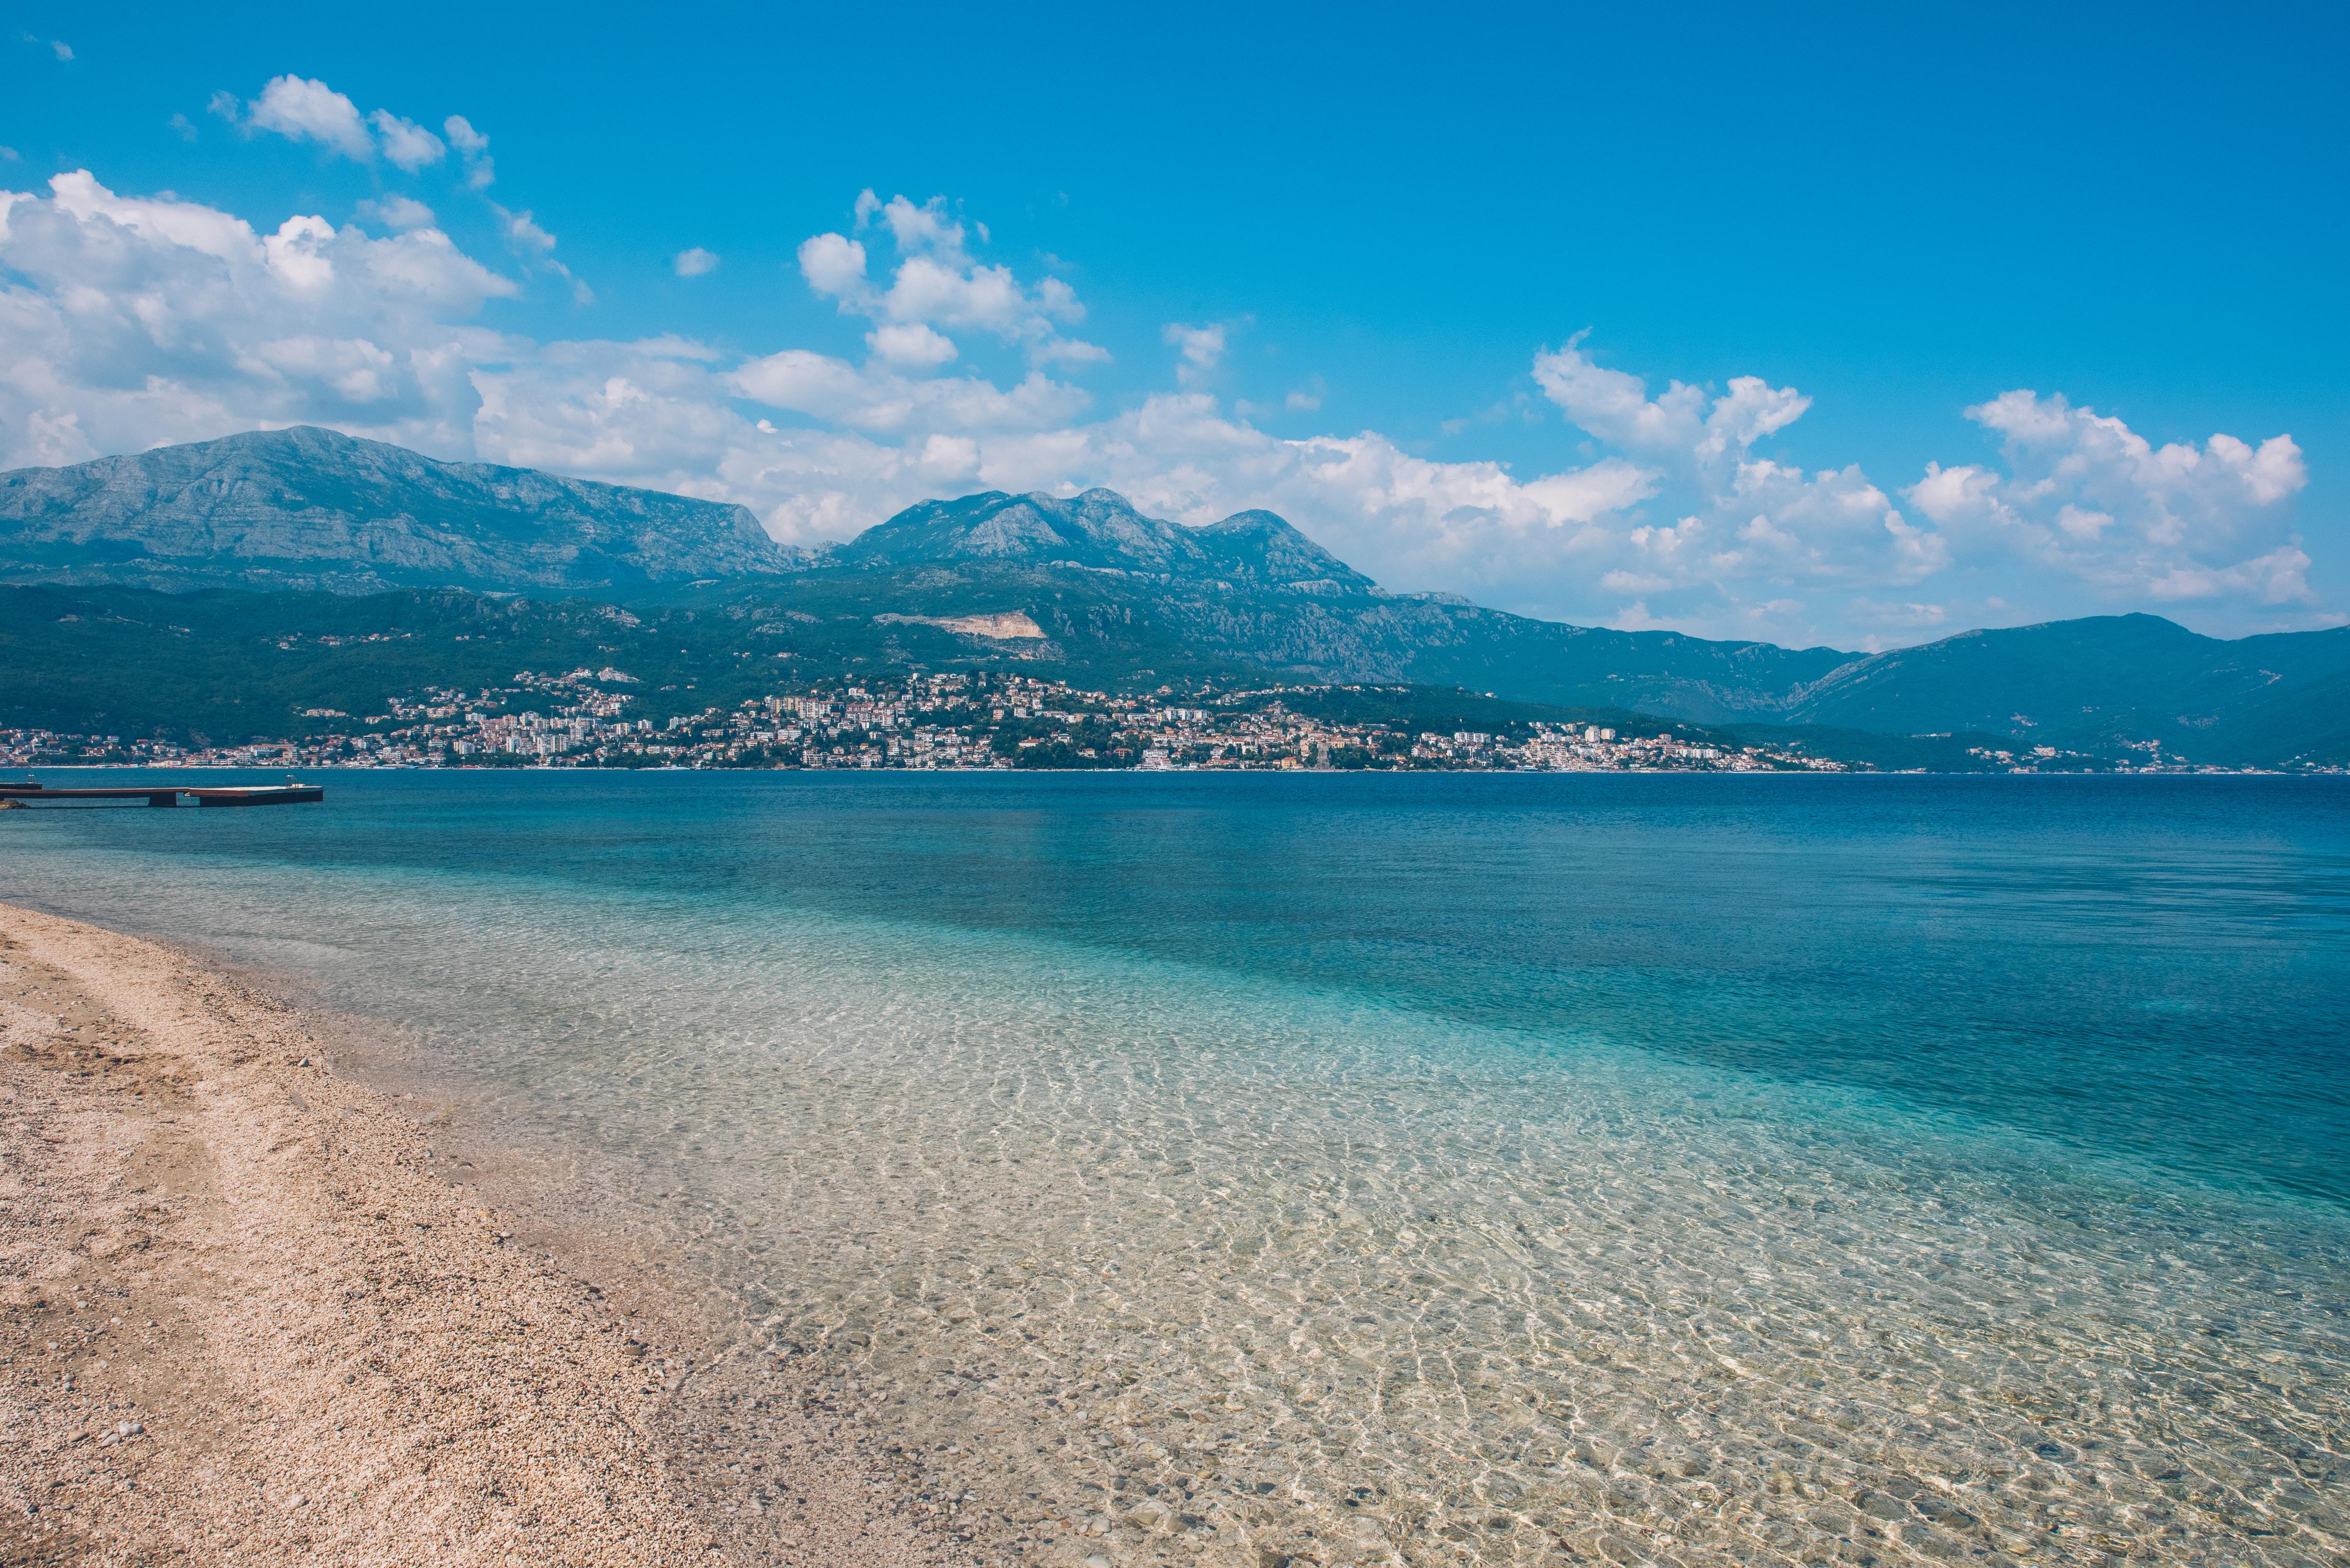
{"x":1265,"y":1170}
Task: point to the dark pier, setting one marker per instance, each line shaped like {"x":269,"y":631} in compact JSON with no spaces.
{"x":288,"y":793}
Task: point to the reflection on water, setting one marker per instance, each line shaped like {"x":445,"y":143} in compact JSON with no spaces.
{"x":1329,"y":1241}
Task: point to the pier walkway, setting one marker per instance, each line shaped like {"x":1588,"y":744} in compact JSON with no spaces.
{"x":288,"y":793}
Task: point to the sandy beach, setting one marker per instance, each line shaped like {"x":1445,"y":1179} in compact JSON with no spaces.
{"x":243,"y":1321}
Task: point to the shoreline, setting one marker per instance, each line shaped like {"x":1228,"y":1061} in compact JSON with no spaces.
{"x":1195,"y":771}
{"x":241,"y":1317}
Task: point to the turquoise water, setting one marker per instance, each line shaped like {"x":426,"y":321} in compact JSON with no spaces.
{"x":1481,"y":1168}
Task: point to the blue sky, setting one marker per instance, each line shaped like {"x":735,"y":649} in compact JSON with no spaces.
{"x":1421,"y":283}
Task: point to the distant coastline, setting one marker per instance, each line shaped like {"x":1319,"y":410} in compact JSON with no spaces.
{"x":979,"y":723}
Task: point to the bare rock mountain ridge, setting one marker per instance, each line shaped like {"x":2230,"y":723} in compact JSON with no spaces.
{"x":308,"y":508}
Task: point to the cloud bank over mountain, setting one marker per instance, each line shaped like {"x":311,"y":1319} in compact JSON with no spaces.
{"x":130,"y":321}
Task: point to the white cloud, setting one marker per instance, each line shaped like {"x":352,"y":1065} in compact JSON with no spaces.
{"x":2083,"y":507}
{"x":145,"y":320}
{"x":1681,"y":424}
{"x":1198,"y":350}
{"x":131,"y":321}
{"x":879,"y":400}
{"x":1614,"y":406}
{"x":464,"y":137}
{"x":834,"y":265}
{"x":408,"y":144}
{"x":910,"y":345}
{"x":62,"y":50}
{"x":2086,"y":497}
{"x":695,"y":262}
{"x":936,"y":282}
{"x":1067,"y":352}
{"x":306,"y":109}
{"x":1743,"y":518}
{"x":915,"y":228}
{"x":930,"y":290}
{"x":397,"y":212}
{"x":1419,"y":523}
{"x":523,"y":230}
{"x":537,"y":246}
{"x":481,"y":171}
{"x":8,"y":155}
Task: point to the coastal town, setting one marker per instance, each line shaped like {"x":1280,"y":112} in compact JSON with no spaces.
{"x":594,"y":719}
{"x":590,"y":718}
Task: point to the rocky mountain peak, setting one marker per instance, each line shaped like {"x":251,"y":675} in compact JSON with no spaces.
{"x":1101,"y":530}
{"x":304,"y":508}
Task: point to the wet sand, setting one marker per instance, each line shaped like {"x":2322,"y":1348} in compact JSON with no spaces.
{"x":241,"y":1320}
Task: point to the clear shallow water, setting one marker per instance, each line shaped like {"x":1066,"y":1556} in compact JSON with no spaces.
{"x":1481,"y":1169}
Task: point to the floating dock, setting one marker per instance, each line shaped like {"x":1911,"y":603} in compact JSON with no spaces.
{"x":288,"y":793}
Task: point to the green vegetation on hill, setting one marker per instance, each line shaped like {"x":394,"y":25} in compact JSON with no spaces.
{"x":222,"y":668}
{"x":2109,"y":684}
{"x":228,"y":666}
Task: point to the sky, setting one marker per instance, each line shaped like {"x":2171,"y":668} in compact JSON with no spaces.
{"x":1820,"y":326}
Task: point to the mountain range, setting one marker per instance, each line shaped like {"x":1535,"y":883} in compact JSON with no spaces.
{"x":309,"y":508}
{"x":1089,"y":584}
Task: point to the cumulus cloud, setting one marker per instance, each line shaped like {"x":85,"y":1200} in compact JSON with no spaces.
{"x":696,"y":261}
{"x":133,"y":321}
{"x":835,"y":265}
{"x":1681,"y":424}
{"x":1743,"y":518}
{"x":912,"y":345}
{"x":2086,"y":496}
{"x":305,"y":109}
{"x":128,"y":321}
{"x":408,"y":144}
{"x":937,"y":282}
{"x":2093,"y":514}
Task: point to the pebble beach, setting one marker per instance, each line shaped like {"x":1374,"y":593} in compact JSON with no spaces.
{"x":241,"y":1322}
